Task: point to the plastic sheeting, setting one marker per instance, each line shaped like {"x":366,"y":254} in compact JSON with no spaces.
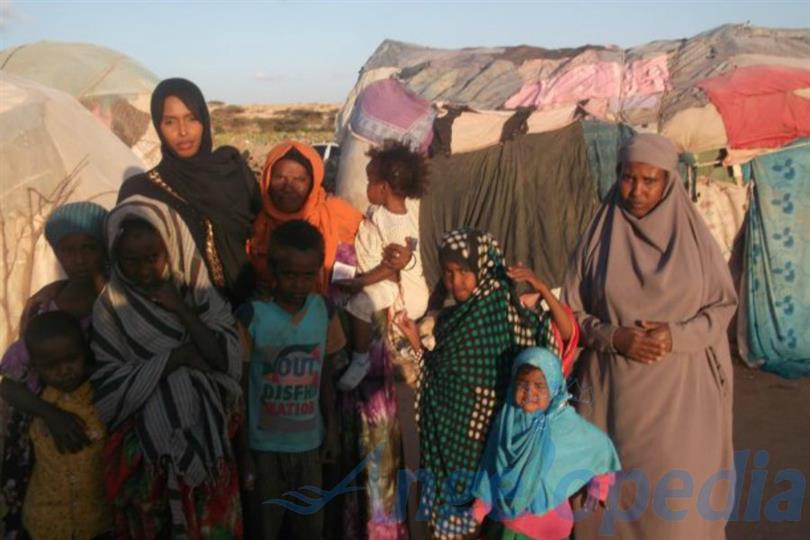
{"x":52,"y":151}
{"x":111,"y":85}
{"x":760,"y":106}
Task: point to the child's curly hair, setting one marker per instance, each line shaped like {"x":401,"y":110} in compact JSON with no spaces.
{"x":401,"y":168}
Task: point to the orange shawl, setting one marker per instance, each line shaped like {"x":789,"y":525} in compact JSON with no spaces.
{"x":335,"y":218}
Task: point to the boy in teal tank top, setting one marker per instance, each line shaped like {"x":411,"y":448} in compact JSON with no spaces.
{"x":291,"y":426}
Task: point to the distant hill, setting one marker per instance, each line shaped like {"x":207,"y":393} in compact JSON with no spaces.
{"x":256,"y":128}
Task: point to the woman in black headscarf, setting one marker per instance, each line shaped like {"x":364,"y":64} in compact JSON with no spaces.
{"x":214,"y":191}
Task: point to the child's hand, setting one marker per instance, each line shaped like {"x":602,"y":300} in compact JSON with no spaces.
{"x":68,"y":430}
{"x":331,"y":447}
{"x":408,"y":327}
{"x":350,"y":286}
{"x":521,"y":274}
{"x":396,"y":256}
{"x":166,"y":296}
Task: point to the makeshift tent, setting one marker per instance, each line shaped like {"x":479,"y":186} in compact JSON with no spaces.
{"x":725,"y":97}
{"x":113,"y":86}
{"x":52,"y":151}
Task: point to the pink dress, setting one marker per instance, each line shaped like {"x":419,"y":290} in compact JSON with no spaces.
{"x":556,"y":524}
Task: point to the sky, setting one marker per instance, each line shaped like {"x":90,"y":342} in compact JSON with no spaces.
{"x":311,"y":51}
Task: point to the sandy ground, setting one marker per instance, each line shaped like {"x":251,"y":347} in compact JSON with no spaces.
{"x":770,"y":413}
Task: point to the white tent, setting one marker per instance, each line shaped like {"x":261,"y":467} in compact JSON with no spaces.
{"x":52,"y":151}
{"x":111,"y":85}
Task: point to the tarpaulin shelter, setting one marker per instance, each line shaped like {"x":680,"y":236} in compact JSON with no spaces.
{"x":52,"y":151}
{"x":726,"y":97}
{"x":113,"y":86}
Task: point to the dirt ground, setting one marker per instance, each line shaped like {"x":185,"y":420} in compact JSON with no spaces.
{"x":771,"y":413}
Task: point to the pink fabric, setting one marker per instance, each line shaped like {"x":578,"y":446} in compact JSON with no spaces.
{"x":759,"y":106}
{"x":554,"y":525}
{"x":387,"y":110}
{"x":646,"y":76}
{"x":600,"y":79}
{"x":596,"y":80}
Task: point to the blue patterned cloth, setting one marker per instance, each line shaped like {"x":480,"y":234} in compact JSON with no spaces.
{"x":778,"y":263}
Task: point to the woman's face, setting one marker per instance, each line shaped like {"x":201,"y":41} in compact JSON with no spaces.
{"x":180,"y":128}
{"x":531,"y":390}
{"x":81,"y":257}
{"x":290,"y":184}
{"x":641,"y":187}
{"x":142,"y":258}
{"x":459,"y":281}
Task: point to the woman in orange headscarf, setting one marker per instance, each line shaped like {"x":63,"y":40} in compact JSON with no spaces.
{"x":292,"y":188}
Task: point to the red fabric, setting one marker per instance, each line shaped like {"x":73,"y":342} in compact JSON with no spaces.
{"x":759,"y":106}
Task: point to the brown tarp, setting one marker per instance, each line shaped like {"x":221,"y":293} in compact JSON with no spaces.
{"x":534,"y":194}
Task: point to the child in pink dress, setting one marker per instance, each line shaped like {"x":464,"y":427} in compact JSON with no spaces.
{"x":539,"y":453}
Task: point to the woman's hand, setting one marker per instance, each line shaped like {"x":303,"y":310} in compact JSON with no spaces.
{"x":660,"y":332}
{"x":396,"y":256}
{"x":522,"y":274}
{"x":68,"y":430}
{"x":636,"y":344}
{"x":408,"y":327}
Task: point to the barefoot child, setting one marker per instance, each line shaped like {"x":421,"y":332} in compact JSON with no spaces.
{"x":64,"y":498}
{"x":539,"y":453}
{"x":291,"y":423}
{"x":395,"y":173}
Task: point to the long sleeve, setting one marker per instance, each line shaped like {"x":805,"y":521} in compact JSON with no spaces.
{"x":595,"y":334}
{"x":710,"y":324}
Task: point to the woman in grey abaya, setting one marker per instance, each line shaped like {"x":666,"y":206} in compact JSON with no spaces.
{"x":653,"y":297}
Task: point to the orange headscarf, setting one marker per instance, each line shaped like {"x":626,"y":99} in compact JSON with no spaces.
{"x":335,"y":218}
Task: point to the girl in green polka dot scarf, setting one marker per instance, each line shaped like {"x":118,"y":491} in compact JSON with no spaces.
{"x":463,"y":379}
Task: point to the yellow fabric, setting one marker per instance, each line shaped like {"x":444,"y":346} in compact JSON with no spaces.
{"x":65,"y":497}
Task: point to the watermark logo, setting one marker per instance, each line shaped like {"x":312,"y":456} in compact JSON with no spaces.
{"x":659,"y":497}
{"x":313,"y":498}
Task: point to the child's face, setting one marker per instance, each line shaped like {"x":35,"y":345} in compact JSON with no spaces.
{"x":81,"y":256}
{"x":531,"y":390}
{"x":375,"y":190}
{"x":296,"y":273}
{"x":61,"y":362}
{"x":459,"y":281}
{"x":142,"y":258}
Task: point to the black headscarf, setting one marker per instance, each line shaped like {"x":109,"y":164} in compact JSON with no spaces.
{"x":218,"y":185}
